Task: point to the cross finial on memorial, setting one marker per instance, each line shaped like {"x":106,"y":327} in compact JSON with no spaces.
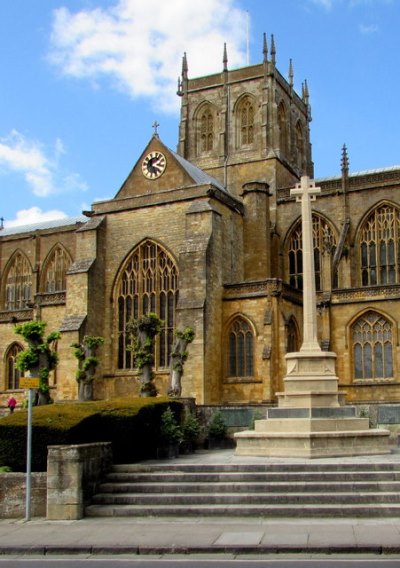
{"x":155,"y":126}
{"x":305,"y":192}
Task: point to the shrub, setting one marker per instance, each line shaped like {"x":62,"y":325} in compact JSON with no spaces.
{"x":217,"y":428}
{"x":191,"y":428}
{"x":170,"y":431}
{"x":133,"y":427}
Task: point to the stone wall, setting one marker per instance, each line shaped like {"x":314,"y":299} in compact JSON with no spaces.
{"x":13,"y":495}
{"x":73,"y":473}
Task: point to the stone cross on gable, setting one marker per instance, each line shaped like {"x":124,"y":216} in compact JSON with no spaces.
{"x":305,"y":192}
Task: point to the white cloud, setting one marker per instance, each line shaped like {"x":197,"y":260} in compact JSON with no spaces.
{"x":33,"y":215}
{"x":41,"y":172}
{"x":140,"y":46}
{"x":368,"y":29}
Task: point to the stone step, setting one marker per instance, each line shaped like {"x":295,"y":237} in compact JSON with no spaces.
{"x":258,"y":467}
{"x":250,"y":487}
{"x":244,"y":476}
{"x":245,"y":499}
{"x":279,"y":510}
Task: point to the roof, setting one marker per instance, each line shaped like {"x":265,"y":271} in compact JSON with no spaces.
{"x":362,"y":173}
{"x":198,"y":175}
{"x":51,"y":224}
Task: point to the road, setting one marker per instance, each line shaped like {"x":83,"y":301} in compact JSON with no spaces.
{"x":117,"y":562}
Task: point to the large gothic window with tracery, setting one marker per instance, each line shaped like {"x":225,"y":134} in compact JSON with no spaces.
{"x":12,"y":373}
{"x":379,"y":247}
{"x":323,"y":241}
{"x":18,"y":283}
{"x":372,"y":341}
{"x":240,"y":351}
{"x":246,"y":122}
{"x":55,"y":270}
{"x":148,"y":283}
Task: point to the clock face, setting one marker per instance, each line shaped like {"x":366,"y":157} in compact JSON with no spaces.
{"x":153,"y":165}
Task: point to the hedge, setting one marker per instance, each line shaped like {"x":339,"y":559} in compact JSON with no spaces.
{"x":131,"y":425}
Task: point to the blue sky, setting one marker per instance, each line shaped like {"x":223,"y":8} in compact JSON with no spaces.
{"x":82,"y":81}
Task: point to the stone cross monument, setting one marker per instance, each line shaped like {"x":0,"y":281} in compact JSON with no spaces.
{"x":306,"y":192}
{"x":311,"y":419}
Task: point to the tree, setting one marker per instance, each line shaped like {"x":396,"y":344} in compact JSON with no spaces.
{"x":40,"y":358}
{"x":143,"y":332}
{"x":178,"y":358}
{"x":85,"y":352}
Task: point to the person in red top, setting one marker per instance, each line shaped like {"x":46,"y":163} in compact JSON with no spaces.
{"x":12,"y":403}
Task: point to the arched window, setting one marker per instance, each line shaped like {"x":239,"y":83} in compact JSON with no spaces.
{"x":148,"y":283}
{"x":206,"y":131}
{"x":283,"y":128}
{"x":379,"y":247}
{"x":240,"y":351}
{"x":292,"y":336}
{"x":372,"y":343}
{"x":246,"y":122}
{"x":323,"y":239}
{"x":12,"y":373}
{"x":55,"y":269}
{"x":18,"y":283}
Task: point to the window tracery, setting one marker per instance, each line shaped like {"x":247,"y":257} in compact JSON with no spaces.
{"x":379,"y":247}
{"x":18,"y":283}
{"x":12,"y":373}
{"x":323,"y":240}
{"x":246,"y":122}
{"x":55,"y":270}
{"x":240,"y":349}
{"x":148,"y":283}
{"x":372,"y":343}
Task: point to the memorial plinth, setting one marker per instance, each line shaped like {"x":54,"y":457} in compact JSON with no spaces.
{"x":311,"y":420}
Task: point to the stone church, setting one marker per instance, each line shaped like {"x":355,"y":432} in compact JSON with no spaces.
{"x":208,"y":236}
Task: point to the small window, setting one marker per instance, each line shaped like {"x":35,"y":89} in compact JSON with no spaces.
{"x":12,"y":373}
{"x":240,"y":349}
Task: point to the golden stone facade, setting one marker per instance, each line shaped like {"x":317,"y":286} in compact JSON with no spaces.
{"x":209,"y":237}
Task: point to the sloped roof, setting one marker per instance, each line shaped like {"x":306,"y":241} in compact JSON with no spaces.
{"x":51,"y":224}
{"x":198,"y":175}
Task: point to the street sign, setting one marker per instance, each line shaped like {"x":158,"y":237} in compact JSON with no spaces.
{"x":29,"y":382}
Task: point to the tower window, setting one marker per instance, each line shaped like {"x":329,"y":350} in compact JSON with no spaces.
{"x":246,"y":113}
{"x":207,"y":131}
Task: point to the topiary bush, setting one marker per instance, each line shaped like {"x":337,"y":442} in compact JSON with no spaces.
{"x":132,"y":426}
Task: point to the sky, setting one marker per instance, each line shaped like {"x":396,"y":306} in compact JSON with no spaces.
{"x":82,"y":82}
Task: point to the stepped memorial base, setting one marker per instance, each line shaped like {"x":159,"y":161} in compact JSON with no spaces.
{"x":311,"y":420}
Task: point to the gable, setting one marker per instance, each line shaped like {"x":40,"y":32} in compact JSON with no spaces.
{"x":159,"y":169}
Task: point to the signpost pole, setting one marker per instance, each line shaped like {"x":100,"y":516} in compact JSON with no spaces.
{"x":29,"y":458}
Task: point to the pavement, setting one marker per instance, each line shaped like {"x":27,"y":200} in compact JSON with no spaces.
{"x":226,"y":537}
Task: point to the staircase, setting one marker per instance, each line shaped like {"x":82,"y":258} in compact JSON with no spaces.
{"x":250,"y":490}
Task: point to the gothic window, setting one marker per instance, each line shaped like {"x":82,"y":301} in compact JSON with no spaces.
{"x":55,"y":270}
{"x":379,"y":247}
{"x":283,"y":128}
{"x":240,"y":350}
{"x":323,"y":240}
{"x":12,"y":373}
{"x":372,"y":341}
{"x":148,"y":283}
{"x":292,"y":336}
{"x":18,"y":283}
{"x":246,"y":122}
{"x":206,"y":131}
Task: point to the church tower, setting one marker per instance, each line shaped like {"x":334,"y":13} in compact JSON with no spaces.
{"x":246,"y":125}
